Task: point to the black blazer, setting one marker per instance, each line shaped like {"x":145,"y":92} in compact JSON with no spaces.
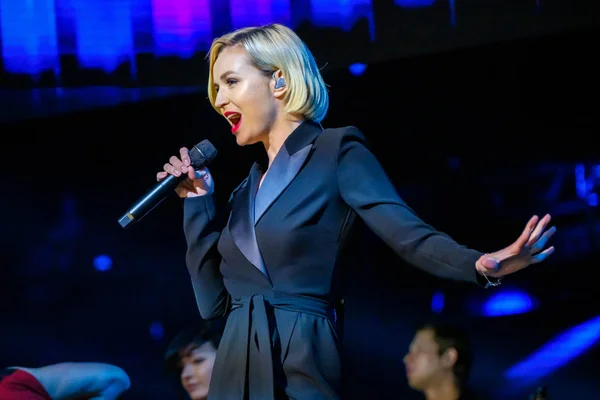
{"x":275,"y":266}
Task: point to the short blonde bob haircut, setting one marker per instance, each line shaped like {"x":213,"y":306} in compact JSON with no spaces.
{"x":276,"y":47}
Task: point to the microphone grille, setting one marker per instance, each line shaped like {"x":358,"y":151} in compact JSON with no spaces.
{"x":202,"y":154}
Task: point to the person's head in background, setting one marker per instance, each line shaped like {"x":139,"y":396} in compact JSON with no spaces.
{"x":438,"y":361}
{"x":541,"y":393}
{"x":265,"y":82}
{"x":191,"y":355}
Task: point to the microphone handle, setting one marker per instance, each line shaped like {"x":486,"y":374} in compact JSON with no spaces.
{"x":151,"y":199}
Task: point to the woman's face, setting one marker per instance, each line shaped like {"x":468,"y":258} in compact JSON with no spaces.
{"x":197,"y":365}
{"x":245,"y":96}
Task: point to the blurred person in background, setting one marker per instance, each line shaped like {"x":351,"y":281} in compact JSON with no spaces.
{"x":541,"y":393}
{"x":191,"y":357}
{"x":64,"y":381}
{"x":438,"y":363}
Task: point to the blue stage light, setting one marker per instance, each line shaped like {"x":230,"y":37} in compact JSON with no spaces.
{"x":554,"y":354}
{"x":102,"y":263}
{"x":157,"y":331}
{"x":357,"y":69}
{"x":508,"y":302}
{"x":437,"y":302}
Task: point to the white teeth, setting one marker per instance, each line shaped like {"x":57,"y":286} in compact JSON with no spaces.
{"x":234,"y":118}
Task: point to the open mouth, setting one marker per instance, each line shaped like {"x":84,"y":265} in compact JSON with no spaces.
{"x":235,"y":120}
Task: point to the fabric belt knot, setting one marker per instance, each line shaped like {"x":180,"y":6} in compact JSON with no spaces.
{"x":255,"y":321}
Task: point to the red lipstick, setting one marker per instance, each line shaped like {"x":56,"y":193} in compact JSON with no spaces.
{"x":235,"y":127}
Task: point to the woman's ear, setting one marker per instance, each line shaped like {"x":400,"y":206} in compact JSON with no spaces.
{"x":279,"y":84}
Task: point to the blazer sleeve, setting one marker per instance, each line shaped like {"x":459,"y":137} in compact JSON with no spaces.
{"x":202,"y":256}
{"x":366,"y":188}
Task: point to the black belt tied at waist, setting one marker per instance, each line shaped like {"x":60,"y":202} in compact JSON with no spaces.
{"x":260,"y":335}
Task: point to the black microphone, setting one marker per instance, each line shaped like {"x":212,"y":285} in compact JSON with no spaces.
{"x":201,"y":155}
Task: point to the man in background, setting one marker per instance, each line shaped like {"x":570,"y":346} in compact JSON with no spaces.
{"x":438,"y":363}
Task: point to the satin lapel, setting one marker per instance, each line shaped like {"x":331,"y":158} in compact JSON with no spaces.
{"x":281,"y":173}
{"x":241,"y":224}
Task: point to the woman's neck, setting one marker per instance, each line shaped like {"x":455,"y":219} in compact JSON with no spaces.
{"x":277,"y":136}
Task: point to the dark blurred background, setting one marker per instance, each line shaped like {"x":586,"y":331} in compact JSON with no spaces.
{"x":482,"y":113}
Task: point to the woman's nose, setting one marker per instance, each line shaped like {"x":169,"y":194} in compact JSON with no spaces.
{"x":221,"y":99}
{"x":186,"y":372}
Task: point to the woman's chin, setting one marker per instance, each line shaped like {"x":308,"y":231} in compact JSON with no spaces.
{"x":198,"y":394}
{"x":242,"y":140}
